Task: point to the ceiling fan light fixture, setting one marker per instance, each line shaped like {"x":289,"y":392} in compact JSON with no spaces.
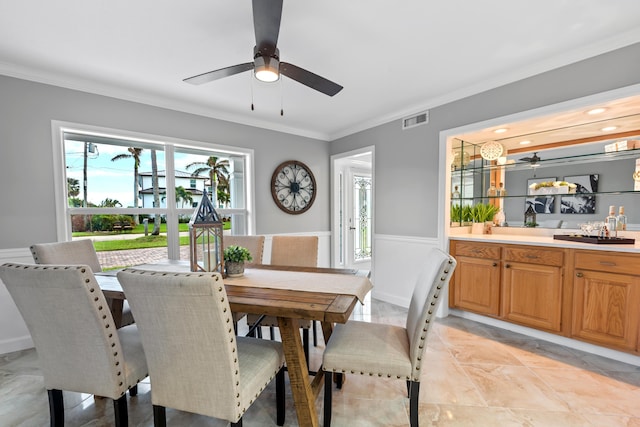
{"x":267,"y":68}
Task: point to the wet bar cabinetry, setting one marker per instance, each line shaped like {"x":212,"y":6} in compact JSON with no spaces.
{"x":606,"y":299}
{"x":589,"y":295}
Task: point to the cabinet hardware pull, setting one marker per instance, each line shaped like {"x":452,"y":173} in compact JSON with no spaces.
{"x":608,"y":263}
{"x":579,"y":274}
{"x":495,"y":264}
{"x":507,"y":266}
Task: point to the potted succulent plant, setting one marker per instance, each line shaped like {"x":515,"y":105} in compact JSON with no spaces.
{"x":234,"y":258}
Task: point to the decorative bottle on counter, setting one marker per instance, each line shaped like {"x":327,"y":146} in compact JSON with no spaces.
{"x":492,"y":191}
{"x":612,"y":222}
{"x":456,"y":194}
{"x":622,"y":220}
{"x":502,"y":192}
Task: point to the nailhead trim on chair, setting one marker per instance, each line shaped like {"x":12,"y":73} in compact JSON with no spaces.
{"x":230,"y":331}
{"x":423,"y":338}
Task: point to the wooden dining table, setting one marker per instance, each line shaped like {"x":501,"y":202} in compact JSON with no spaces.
{"x":288,"y":293}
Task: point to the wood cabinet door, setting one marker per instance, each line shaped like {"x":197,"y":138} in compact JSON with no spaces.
{"x":477,"y":285}
{"x":532,"y":295}
{"x":606,"y":308}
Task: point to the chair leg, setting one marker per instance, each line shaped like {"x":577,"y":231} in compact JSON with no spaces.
{"x":413,"y":403}
{"x":339,"y":378}
{"x":408,"y":388}
{"x":315,"y":333}
{"x":327,"y":398}
{"x":159,"y":416}
{"x":133,"y":391}
{"x":120,"y":411}
{"x":280,"y":403}
{"x":56,"y":408}
{"x":272,"y":333}
{"x":305,"y":342}
{"x":238,"y":424}
{"x":259,"y":331}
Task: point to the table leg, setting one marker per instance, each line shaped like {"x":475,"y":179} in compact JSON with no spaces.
{"x":303,"y":396}
{"x":116,"y":304}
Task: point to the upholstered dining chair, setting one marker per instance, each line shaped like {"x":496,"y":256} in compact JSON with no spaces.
{"x":75,"y":252}
{"x":79,"y":349}
{"x":196,"y":363}
{"x":390,"y":351}
{"x":255,"y":245}
{"x":294,"y":251}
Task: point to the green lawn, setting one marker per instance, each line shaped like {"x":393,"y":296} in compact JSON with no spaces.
{"x":139,"y":242}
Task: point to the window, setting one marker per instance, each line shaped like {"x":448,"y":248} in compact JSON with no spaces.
{"x":109,"y":180}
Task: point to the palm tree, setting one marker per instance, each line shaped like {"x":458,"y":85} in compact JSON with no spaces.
{"x":73,"y":187}
{"x":217,"y":171}
{"x":109,"y":203}
{"x":182,"y":196}
{"x":133,"y":153}
{"x":156,"y":193}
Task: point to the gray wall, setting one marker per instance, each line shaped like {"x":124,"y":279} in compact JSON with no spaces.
{"x":26,"y":168}
{"x":406,"y":167}
{"x":406,"y":161}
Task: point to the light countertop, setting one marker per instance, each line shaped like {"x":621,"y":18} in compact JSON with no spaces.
{"x":545,"y":238}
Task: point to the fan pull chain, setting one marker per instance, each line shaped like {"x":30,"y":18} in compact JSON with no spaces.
{"x":281,"y":101}
{"x":251,"y":84}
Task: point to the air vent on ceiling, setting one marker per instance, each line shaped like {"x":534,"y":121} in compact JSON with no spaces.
{"x":415,"y":120}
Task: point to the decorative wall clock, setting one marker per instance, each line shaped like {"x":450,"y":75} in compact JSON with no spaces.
{"x":293,"y":187}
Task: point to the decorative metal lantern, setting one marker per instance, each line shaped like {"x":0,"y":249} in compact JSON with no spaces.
{"x":205,"y":238}
{"x":530,"y":216}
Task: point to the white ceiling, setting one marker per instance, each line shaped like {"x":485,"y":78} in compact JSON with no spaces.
{"x":393,"y":58}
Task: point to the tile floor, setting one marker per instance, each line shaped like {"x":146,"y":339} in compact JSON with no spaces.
{"x":474,"y":375}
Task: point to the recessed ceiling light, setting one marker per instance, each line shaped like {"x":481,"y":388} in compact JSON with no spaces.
{"x":609,"y":128}
{"x":501,"y":130}
{"x":596,"y":111}
{"x":525,"y":142}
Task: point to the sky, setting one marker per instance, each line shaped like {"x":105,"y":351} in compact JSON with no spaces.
{"x":114,"y":179}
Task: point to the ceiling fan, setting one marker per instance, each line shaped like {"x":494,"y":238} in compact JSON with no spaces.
{"x":266,"y":56}
{"x":533,"y":160}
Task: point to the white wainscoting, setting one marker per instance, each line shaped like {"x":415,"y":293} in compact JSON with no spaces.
{"x":396,"y":265}
{"x":14,"y":334}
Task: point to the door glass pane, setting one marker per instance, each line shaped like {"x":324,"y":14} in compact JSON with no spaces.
{"x":362,"y":217}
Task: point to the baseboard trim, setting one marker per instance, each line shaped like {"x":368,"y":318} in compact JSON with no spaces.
{"x":16,"y":344}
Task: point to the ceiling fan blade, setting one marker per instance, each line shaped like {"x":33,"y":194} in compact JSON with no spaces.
{"x":307,"y":78}
{"x":218,"y":74}
{"x":266,"y":23}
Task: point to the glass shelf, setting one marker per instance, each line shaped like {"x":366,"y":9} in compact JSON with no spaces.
{"x":519,"y":196}
{"x":522,"y":165}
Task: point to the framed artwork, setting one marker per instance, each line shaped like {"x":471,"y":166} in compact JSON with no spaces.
{"x":582,"y":202}
{"x":542,"y":204}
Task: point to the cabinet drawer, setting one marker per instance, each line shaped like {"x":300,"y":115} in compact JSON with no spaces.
{"x":608,"y":262}
{"x":477,"y":250}
{"x":533,"y":255}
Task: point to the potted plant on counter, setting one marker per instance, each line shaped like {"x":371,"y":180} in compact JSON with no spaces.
{"x":482,"y":214}
{"x":234,"y":258}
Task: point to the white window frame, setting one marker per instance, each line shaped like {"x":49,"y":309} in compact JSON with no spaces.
{"x":170,"y":145}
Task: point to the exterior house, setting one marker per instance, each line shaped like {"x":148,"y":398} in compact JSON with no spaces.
{"x":193,"y":184}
